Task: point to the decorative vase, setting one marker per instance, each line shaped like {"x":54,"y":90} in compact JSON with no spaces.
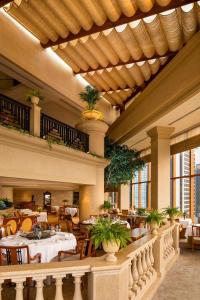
{"x":154,"y":228}
{"x":172,"y":220}
{"x":35,"y":100}
{"x":92,"y":114}
{"x":111,"y":247}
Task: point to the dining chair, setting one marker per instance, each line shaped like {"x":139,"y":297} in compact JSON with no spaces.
{"x":195,"y":236}
{"x":5,"y":230}
{"x":75,"y":224}
{"x":84,"y":248}
{"x":13,"y":222}
{"x":14,"y":255}
{"x":26,"y":223}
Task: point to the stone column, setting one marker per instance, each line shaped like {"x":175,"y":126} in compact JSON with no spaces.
{"x":96,"y":130}
{"x":92,"y":196}
{"x":6,"y":192}
{"x":35,"y":119}
{"x":160,"y":166}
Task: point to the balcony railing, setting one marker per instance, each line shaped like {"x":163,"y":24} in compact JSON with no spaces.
{"x":63,"y":133}
{"x":13,"y":113}
{"x":135,"y":276}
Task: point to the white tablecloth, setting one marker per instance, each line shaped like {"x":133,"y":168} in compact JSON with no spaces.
{"x":42,"y":217}
{"x":71,"y":211}
{"x":48,"y":248}
{"x":188,"y":231}
{"x":185,"y":222}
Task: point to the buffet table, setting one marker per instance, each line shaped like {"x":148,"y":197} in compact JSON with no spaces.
{"x":48,"y":248}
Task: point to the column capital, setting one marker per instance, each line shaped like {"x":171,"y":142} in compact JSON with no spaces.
{"x":160,"y":132}
{"x":89,"y":126}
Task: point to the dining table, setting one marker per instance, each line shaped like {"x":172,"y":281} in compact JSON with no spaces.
{"x":188,"y":231}
{"x":48,"y":247}
{"x":71,"y":211}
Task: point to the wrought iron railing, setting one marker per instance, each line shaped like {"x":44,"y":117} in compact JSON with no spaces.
{"x":13,"y":113}
{"x":63,"y":133}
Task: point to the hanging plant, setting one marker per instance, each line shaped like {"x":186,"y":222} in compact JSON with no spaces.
{"x":124,"y":163}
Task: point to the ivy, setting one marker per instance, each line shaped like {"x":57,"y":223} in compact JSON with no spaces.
{"x":124,"y":163}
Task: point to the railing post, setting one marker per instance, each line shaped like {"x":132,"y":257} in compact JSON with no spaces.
{"x":59,"y":283}
{"x":175,"y":236}
{"x":19,"y":288}
{"x":77,"y":286}
{"x":158,"y":250}
{"x":35,"y":119}
{"x":39,"y":287}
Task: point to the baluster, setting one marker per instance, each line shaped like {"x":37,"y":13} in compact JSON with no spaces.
{"x":149,"y":274}
{"x":1,"y":289}
{"x":130,"y":282}
{"x":59,"y":283}
{"x":135,"y":274}
{"x":151,"y":258}
{"x":77,"y":287}
{"x":39,"y":288}
{"x":140,"y":270}
{"x":144,"y":265}
{"x":19,"y":289}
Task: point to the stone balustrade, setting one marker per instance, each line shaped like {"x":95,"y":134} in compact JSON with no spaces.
{"x":136,"y":274}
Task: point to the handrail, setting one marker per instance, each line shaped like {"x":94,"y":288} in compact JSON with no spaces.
{"x":141,"y":263}
{"x":13,"y":113}
{"x":61,"y":132}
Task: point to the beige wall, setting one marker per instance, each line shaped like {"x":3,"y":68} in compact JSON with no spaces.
{"x":56,"y":196}
{"x":24,"y":156}
{"x":24,"y":51}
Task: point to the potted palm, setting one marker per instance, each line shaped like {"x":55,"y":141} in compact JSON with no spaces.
{"x":154,"y":219}
{"x":106,"y":206}
{"x":173,"y":213}
{"x":34,"y":96}
{"x":141,"y":212}
{"x":91,"y":95}
{"x":111,"y":235}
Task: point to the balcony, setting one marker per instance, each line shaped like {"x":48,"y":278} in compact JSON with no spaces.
{"x":140,"y":269}
{"x":18,"y":116}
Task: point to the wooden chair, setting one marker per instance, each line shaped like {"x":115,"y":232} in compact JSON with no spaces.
{"x":83,"y":249}
{"x":5,"y":230}
{"x":13,"y":222}
{"x":195,"y":236}
{"x":125,"y":211}
{"x":26,"y":223}
{"x":17,"y":214}
{"x":75,"y":224}
{"x":13,"y":255}
{"x":61,"y":213}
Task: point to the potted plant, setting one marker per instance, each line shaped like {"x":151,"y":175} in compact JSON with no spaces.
{"x":111,"y":235}
{"x":106,"y":206}
{"x":141,"y":212}
{"x":154,"y":219}
{"x":91,"y":95}
{"x":34,"y":96}
{"x":173,"y":213}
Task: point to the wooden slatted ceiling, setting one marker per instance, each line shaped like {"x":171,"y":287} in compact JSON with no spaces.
{"x":121,"y":58}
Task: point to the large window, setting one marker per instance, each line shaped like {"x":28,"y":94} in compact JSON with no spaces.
{"x":140,"y":188}
{"x":185,"y":181}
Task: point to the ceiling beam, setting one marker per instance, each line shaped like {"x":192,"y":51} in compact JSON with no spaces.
{"x":4,"y":2}
{"x":130,"y":61}
{"x":121,"y":21}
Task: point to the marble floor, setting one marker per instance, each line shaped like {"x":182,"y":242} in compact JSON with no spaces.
{"x":182,"y":282}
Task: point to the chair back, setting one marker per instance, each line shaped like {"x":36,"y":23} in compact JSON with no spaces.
{"x":13,"y":222}
{"x":5,"y":230}
{"x":125,"y":211}
{"x":17,"y":214}
{"x":85,"y":248}
{"x":195,"y":231}
{"x":26,"y":223}
{"x":14,"y":255}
